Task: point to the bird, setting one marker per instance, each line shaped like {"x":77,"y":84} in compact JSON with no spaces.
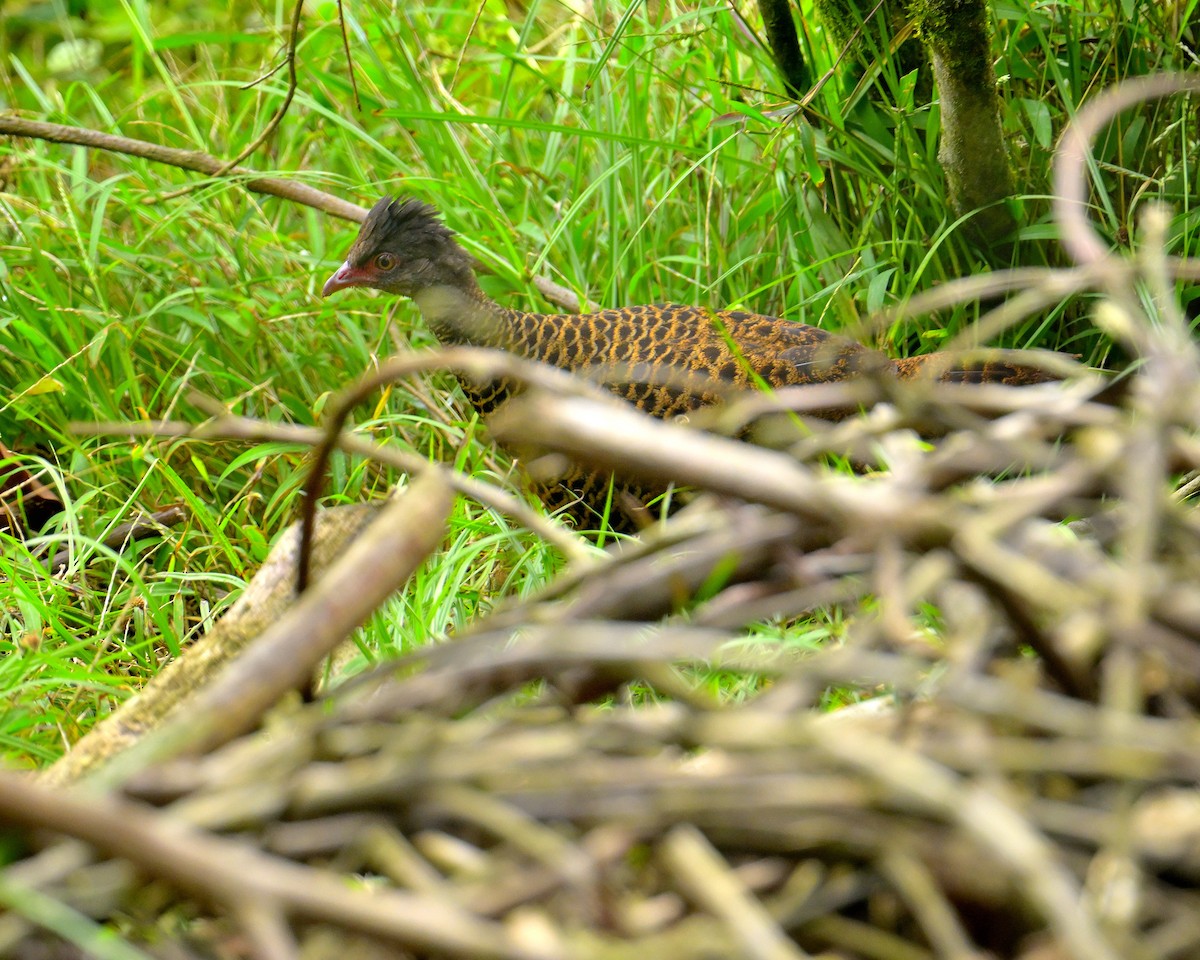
{"x":403,"y":247}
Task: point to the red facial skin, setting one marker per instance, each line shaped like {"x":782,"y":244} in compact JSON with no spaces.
{"x":348,"y":276}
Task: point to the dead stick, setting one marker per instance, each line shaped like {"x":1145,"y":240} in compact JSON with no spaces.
{"x":200,"y":162}
{"x":193,"y":160}
{"x":231,"y":873}
{"x":284,"y":656}
{"x":263,"y":601}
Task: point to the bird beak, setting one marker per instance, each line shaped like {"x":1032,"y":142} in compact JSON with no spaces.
{"x":346,"y":276}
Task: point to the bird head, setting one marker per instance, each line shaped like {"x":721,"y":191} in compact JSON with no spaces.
{"x":403,"y":248}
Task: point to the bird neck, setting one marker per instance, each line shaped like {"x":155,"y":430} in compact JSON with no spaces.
{"x":462,"y":314}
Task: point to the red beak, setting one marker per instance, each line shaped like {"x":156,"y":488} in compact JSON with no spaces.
{"x":346,"y":276}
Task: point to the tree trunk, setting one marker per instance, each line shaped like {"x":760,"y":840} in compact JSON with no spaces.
{"x":972,"y":150}
{"x":785,"y":45}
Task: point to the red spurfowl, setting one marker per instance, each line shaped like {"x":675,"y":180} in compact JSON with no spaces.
{"x":404,"y":248}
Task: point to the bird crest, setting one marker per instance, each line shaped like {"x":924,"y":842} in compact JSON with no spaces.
{"x":398,"y":222}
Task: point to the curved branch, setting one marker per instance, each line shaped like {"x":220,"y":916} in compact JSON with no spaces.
{"x":1072,"y":161}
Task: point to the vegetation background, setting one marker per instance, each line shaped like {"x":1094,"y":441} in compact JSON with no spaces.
{"x":632,"y":152}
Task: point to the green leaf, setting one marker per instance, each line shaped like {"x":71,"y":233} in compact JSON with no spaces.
{"x":1038,"y":114}
{"x":43,"y":386}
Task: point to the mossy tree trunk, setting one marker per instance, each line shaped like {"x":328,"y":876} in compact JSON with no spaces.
{"x":972,"y":150}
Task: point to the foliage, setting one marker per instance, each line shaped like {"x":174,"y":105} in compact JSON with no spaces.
{"x":632,"y":152}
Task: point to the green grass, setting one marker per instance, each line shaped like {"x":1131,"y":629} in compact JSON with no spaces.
{"x":595,"y":149}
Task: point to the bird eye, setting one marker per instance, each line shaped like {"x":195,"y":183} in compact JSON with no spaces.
{"x":385,"y":261}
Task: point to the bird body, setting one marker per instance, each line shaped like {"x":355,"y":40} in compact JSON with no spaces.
{"x":697,"y":356}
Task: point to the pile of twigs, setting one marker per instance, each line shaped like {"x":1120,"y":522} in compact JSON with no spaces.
{"x":1018,"y":780}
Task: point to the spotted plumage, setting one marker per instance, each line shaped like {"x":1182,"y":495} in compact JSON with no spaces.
{"x":696,"y":355}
